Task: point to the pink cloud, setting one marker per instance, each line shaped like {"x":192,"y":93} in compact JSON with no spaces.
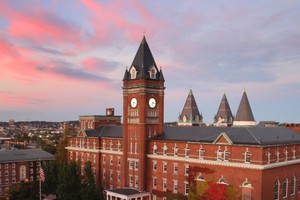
{"x":94,"y":64}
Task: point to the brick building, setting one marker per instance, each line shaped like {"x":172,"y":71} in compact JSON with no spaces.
{"x":142,"y":155}
{"x":20,"y":165}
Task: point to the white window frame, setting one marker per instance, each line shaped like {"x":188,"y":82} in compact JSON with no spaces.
{"x":154,"y":165}
{"x":175,"y":168}
{"x":175,"y":186}
{"x":201,"y":153}
{"x":186,"y":188}
{"x":165,"y":167}
{"x":154,"y":182}
{"x":247,"y":156}
{"x":186,"y":169}
{"x":164,"y":185}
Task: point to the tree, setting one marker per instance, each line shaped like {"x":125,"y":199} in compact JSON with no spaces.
{"x":24,"y":191}
{"x":69,"y":182}
{"x":52,"y":172}
{"x":61,"y":155}
{"x":89,"y":190}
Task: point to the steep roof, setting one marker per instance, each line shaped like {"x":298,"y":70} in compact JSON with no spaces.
{"x":143,"y":62}
{"x":190,"y":109}
{"x":244,"y":112}
{"x":224,"y":111}
{"x":106,"y":131}
{"x":25,"y":155}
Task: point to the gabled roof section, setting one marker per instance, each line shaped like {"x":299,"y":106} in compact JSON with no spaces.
{"x":244,"y":112}
{"x":190,"y":112}
{"x":81,"y":134}
{"x":224,"y":114}
{"x":143,"y":62}
{"x":223,"y":139}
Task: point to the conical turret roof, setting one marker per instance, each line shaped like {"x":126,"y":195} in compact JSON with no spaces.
{"x":143,"y":63}
{"x":244,"y":112}
{"x":224,"y":114}
{"x":190,"y":112}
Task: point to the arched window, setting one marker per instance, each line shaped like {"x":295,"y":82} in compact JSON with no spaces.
{"x":284,"y":188}
{"x":246,"y":183}
{"x":276,"y":190}
{"x":184,"y":118}
{"x":292,"y":185}
{"x":133,"y":72}
{"x":222,"y":180}
{"x":152,"y":72}
{"x":200,"y":178}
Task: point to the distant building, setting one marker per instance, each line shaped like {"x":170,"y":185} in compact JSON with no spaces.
{"x":142,"y":156}
{"x":20,"y":165}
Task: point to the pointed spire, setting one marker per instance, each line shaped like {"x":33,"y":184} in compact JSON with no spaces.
{"x":244,"y":115}
{"x":190,"y":114}
{"x":144,"y":64}
{"x":224,"y":114}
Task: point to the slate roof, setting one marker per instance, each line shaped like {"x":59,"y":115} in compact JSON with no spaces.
{"x":106,"y":131}
{"x":238,"y":135}
{"x":142,"y":61}
{"x":25,"y":155}
{"x":224,"y":111}
{"x":244,"y":112}
{"x":190,"y":109}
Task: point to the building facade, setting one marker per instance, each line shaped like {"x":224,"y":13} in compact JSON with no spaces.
{"x":18,"y":166}
{"x":142,"y":158}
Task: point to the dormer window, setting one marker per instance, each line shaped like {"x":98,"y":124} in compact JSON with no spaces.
{"x":152,"y":72}
{"x":133,"y":72}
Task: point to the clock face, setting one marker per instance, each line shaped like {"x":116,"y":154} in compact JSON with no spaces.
{"x":133,"y":102}
{"x":152,"y":103}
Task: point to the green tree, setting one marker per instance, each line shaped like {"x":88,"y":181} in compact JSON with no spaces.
{"x":52,"y":172}
{"x":69,"y":182}
{"x":89,"y":190}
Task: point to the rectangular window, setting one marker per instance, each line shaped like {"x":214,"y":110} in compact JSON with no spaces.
{"x":226,"y":155}
{"x":164,"y":185}
{"x":186,"y":170}
{"x":31,"y":171}
{"x":247,"y":157}
{"x":94,"y":159}
{"x":31,"y":178}
{"x":175,"y":188}
{"x":186,"y":188}
{"x":119,"y":161}
{"x":111,"y":175}
{"x":136,"y":165}
{"x":111,"y":160}
{"x":154,"y":165}
{"x":130,"y":180}
{"x":6,"y":181}
{"x":14,"y":180}
{"x":175,"y":151}
{"x":201,"y":154}
{"x":6,"y":165}
{"x":104,"y":160}
{"x":187,"y":152}
{"x":119,"y":176}
{"x":154,"y":183}
{"x":175,"y":168}
{"x":104,"y":174}
{"x":219,"y":155}
{"x":13,"y":165}
{"x":13,"y":172}
{"x":131,"y":163}
{"x":6,"y":173}
{"x":164,"y":167}
{"x":136,"y":182}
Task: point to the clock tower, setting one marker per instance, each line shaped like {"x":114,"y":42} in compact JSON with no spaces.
{"x":143,"y":114}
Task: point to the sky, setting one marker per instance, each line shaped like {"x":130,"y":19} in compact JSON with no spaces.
{"x":62,"y":59}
